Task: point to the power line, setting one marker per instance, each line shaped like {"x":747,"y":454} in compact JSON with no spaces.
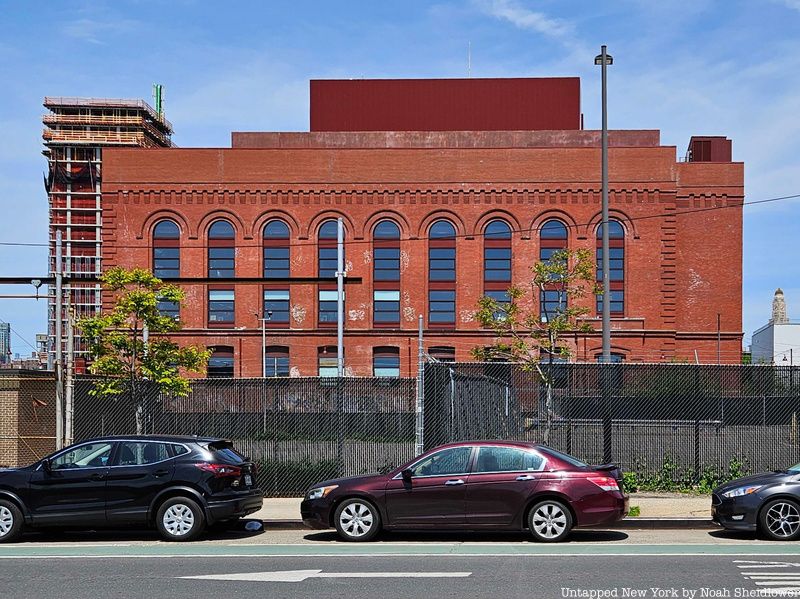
{"x":18,"y":335}
{"x":458,"y":235}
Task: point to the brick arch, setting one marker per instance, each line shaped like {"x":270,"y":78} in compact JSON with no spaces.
{"x":208,"y":219}
{"x":487,"y":217}
{"x":554,"y":214}
{"x":310,"y":232}
{"x":398,"y":219}
{"x":150,"y":222}
{"x":589,"y":230}
{"x":432,"y":217}
{"x":262,"y":219}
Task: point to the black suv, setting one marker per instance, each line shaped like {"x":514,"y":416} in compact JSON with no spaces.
{"x":177,"y":484}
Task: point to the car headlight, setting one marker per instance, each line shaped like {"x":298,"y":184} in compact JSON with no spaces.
{"x":321,"y":492}
{"x":739,"y":491}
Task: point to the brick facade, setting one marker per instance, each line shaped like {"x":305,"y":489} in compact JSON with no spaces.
{"x":682,"y":268}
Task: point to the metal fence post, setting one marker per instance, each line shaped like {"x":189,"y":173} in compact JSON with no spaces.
{"x":419,"y":437}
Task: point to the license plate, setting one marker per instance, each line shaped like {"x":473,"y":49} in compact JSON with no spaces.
{"x":248,"y":480}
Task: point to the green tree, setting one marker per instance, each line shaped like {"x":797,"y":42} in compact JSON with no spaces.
{"x":129,"y":344}
{"x":528,"y":331}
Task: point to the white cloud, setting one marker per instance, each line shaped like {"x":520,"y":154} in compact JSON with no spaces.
{"x":96,"y":31}
{"x":794,"y":4}
{"x":524,"y":18}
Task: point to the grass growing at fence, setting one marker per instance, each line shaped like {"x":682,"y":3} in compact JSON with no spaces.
{"x":670,"y":477}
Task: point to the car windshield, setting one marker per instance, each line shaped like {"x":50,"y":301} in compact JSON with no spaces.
{"x":572,"y":460}
{"x":795,"y":468}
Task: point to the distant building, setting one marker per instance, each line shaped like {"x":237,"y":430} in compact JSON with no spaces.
{"x":777,"y":342}
{"x":5,"y":343}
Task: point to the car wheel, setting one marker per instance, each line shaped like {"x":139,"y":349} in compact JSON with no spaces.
{"x":779,"y":520}
{"x":10,"y":521}
{"x":180,"y":519}
{"x":357,"y":520}
{"x":550,"y":521}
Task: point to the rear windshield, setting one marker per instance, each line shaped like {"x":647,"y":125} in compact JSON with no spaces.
{"x":563,"y":456}
{"x":224,"y":450}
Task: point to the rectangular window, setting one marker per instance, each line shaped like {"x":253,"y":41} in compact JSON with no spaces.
{"x":220,"y":364}
{"x":442,"y":264}
{"x":386,"y":362}
{"x":443,"y":353}
{"x":616,"y":264}
{"x":276,"y":262}
{"x":327,"y":261}
{"x":328,"y":361}
{"x":497,"y":264}
{"x":386,"y":307}
{"x":550,"y":304}
{"x":171,"y":309}
{"x":387,"y":264}
{"x":616,"y":301}
{"x":220,"y":306}
{"x":501,"y":297}
{"x":276,"y":305}
{"x":327,"y":307}
{"x":277,"y":362}
{"x":221,"y":262}
{"x":441,"y":307}
{"x":166,"y":262}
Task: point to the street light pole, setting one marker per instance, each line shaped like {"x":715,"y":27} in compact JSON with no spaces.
{"x":604,"y":59}
{"x":264,"y":318}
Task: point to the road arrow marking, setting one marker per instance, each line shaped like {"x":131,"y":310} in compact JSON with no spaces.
{"x":301,"y":575}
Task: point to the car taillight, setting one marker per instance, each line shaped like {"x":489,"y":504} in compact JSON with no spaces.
{"x":607,"y":483}
{"x":220,"y":470}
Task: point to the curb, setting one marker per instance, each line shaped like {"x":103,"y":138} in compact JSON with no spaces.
{"x":687,"y":523}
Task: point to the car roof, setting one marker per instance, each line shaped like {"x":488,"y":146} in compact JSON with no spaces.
{"x":173,"y":438}
{"x":494,"y":442}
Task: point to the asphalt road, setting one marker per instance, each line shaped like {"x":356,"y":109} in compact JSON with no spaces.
{"x":293,"y":563}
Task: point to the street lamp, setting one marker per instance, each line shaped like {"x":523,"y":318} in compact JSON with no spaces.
{"x":604,"y":59}
{"x":267,"y":316}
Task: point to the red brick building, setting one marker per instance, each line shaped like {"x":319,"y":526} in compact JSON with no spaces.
{"x":448,"y":189}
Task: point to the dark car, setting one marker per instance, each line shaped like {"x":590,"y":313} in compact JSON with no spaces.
{"x":481,"y":485}
{"x":179,"y":485}
{"x":768,"y":503}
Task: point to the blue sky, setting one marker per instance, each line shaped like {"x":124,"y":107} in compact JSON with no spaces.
{"x":701,"y":67}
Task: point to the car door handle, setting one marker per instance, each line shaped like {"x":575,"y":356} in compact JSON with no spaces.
{"x":526,"y":477}
{"x":97,"y":476}
{"x":456,"y":481}
{"x":160,"y":473}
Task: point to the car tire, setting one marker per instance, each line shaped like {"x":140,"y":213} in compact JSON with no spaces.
{"x":180,"y":519}
{"x":10,"y":521}
{"x":550,"y":521}
{"x":779,"y":520}
{"x":357,"y":520}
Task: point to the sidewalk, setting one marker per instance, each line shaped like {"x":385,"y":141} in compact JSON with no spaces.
{"x":665,"y":510}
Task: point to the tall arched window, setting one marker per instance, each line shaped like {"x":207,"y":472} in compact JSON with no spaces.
{"x":616,"y":266}
{"x":276,"y":265}
{"x":442,"y":274}
{"x":167,"y":260}
{"x":497,"y":261}
{"x":221,"y":250}
{"x":326,"y":267}
{"x":386,"y":274}
{"x":552,"y":238}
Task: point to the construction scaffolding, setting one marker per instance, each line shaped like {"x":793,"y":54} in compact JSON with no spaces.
{"x":76,"y":131}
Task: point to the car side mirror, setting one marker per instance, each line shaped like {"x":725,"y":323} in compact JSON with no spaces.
{"x":47,"y":466}
{"x":407,"y":475}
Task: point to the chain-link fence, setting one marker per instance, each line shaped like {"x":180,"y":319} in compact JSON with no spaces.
{"x":298,"y":430}
{"x":27,"y":416}
{"x":673,"y":420}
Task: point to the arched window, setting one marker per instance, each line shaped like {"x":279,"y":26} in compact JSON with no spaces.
{"x":277,"y":360}
{"x":442,"y":353}
{"x":327,"y":315}
{"x":552,"y":238}
{"x":497,"y":261}
{"x":276,"y":265}
{"x":221,"y":250}
{"x":386,"y":361}
{"x":166,"y":250}
{"x":167,"y":260}
{"x":386,"y":274}
{"x":442,"y":274}
{"x":220,"y":364}
{"x":616,"y":267}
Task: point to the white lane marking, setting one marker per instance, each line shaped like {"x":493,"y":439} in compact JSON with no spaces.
{"x":779,"y":576}
{"x":301,"y":575}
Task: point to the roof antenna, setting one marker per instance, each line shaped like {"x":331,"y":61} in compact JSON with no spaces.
{"x":469,"y":59}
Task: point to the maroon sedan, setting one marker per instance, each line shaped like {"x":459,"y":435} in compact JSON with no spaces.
{"x":475,"y":485}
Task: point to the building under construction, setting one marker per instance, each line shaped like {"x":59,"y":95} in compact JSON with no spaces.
{"x":76,"y":131}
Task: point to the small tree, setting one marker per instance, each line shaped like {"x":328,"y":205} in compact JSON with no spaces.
{"x":527,"y":329}
{"x":118,"y":347}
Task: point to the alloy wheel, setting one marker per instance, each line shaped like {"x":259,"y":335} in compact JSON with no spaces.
{"x":6,"y":520}
{"x":783,"y":519}
{"x":549,"y":520}
{"x":356,"y":519}
{"x":178,"y":520}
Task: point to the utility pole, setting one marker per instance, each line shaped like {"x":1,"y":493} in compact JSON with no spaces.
{"x":420,"y":424}
{"x":70,"y":387}
{"x":340,"y":274}
{"x":59,"y":306}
